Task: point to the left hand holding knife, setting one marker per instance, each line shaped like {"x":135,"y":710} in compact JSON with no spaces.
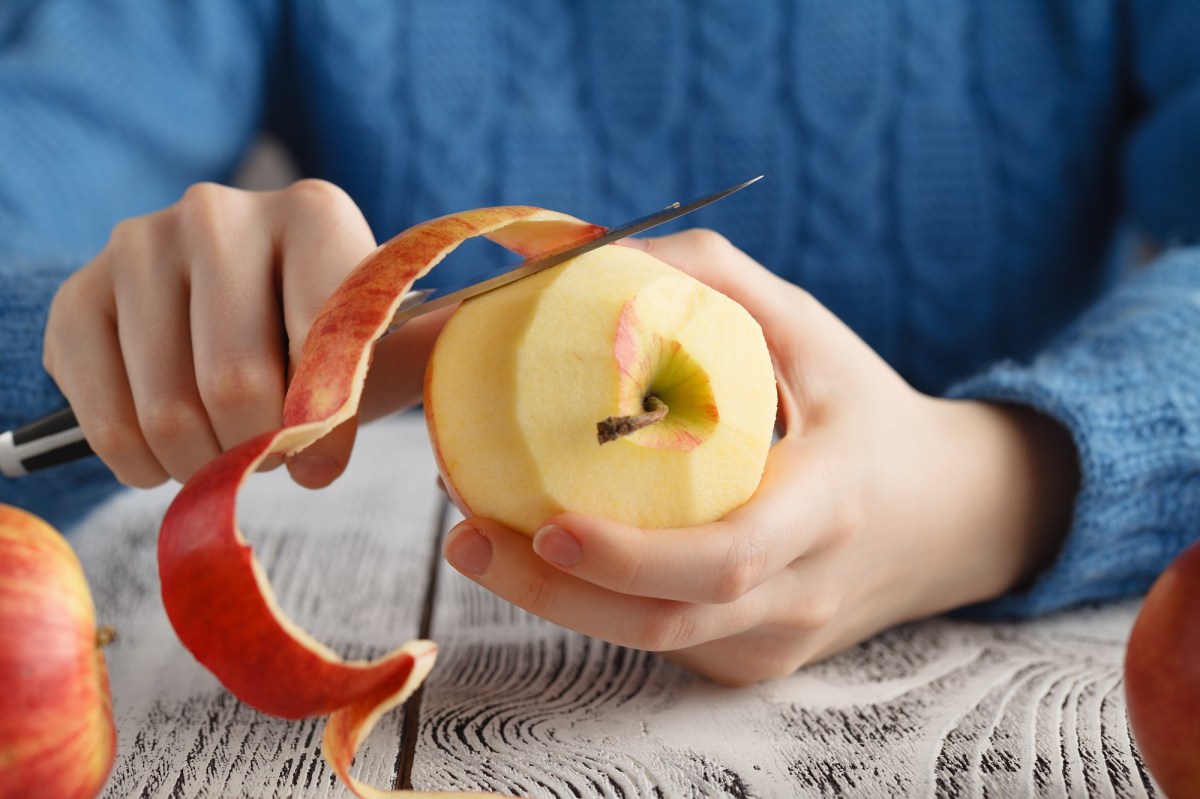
{"x":170,"y":344}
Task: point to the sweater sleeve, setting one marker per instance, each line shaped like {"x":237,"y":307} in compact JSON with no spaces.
{"x":1124,"y":379}
{"x":110,"y":111}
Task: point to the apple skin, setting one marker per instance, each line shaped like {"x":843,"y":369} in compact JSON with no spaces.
{"x":216,"y":594}
{"x":521,"y":378}
{"x":1162,"y":677}
{"x":57,"y":736}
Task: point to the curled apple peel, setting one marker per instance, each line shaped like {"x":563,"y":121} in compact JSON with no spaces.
{"x":216,"y":594}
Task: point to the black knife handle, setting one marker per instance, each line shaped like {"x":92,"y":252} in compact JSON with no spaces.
{"x":50,"y":441}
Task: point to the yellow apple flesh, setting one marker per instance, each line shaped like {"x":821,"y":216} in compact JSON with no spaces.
{"x":521,"y":377}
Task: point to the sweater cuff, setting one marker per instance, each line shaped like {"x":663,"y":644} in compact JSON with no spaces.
{"x":64,"y":494}
{"x":26,"y":288}
{"x":1124,"y":380}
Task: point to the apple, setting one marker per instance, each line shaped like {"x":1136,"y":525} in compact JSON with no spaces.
{"x":57,"y":736}
{"x":217,"y":596}
{"x":612,"y":385}
{"x":1162,"y":677}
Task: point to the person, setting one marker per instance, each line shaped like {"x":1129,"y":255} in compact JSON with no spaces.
{"x":970,"y":258}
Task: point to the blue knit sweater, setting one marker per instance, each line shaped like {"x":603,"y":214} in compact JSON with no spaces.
{"x":947,"y":176}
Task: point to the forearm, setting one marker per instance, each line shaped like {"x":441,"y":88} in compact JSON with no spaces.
{"x":1124,"y":381}
{"x":1004,"y":478}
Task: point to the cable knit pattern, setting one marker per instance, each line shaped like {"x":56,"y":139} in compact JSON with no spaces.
{"x":845,"y":68}
{"x":734,"y":130}
{"x":945,"y":201}
{"x":655,"y":69}
{"x":1029,"y":114}
{"x":948,"y":176}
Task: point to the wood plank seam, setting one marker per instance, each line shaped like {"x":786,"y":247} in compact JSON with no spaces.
{"x":412,"y":709}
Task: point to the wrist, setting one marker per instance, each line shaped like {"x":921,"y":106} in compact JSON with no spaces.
{"x":1013,"y":474}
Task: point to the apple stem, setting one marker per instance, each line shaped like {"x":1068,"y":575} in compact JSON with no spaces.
{"x":615,"y":427}
{"x":105,"y":636}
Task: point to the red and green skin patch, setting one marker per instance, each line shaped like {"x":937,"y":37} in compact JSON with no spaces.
{"x":665,"y":397}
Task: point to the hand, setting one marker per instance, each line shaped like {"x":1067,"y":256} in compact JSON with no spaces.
{"x":878,"y":505}
{"x":176,"y":342}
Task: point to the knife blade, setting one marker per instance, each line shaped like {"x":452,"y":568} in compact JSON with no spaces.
{"x":546,"y":260}
{"x":56,"y":438}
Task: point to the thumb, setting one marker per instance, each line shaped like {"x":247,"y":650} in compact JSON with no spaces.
{"x":323,"y":461}
{"x":712,"y":259}
{"x":320,"y":235}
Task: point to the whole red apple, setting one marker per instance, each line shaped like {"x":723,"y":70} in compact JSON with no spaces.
{"x":1162,"y":677}
{"x":56,"y":727}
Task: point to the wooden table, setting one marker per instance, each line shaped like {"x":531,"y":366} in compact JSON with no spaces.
{"x":520,"y":706}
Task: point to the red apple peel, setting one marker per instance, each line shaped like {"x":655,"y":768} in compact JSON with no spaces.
{"x":218,"y":598}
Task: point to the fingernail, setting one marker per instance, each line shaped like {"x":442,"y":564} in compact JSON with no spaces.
{"x":556,"y":545}
{"x":314,"y":470}
{"x":270,"y":463}
{"x":468,"y":550}
{"x":634,"y":242}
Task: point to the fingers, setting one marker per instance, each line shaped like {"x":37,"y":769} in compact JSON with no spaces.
{"x":502,"y":561}
{"x":672,"y":589}
{"x":235,"y":324}
{"x":172,"y":345}
{"x":82,"y":353}
{"x":323,"y":461}
{"x":323,"y":235}
{"x":797,"y":510}
{"x":786,"y":618}
{"x":710,"y":258}
{"x":156,"y":348}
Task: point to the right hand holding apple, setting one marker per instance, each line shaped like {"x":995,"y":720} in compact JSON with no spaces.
{"x":878,"y":505}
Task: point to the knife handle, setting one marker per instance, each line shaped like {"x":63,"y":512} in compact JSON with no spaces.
{"x":49,"y":441}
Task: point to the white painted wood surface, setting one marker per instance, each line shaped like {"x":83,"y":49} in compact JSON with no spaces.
{"x":942,"y":708}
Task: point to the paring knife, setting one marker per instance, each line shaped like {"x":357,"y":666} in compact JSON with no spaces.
{"x":57,"y":439}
